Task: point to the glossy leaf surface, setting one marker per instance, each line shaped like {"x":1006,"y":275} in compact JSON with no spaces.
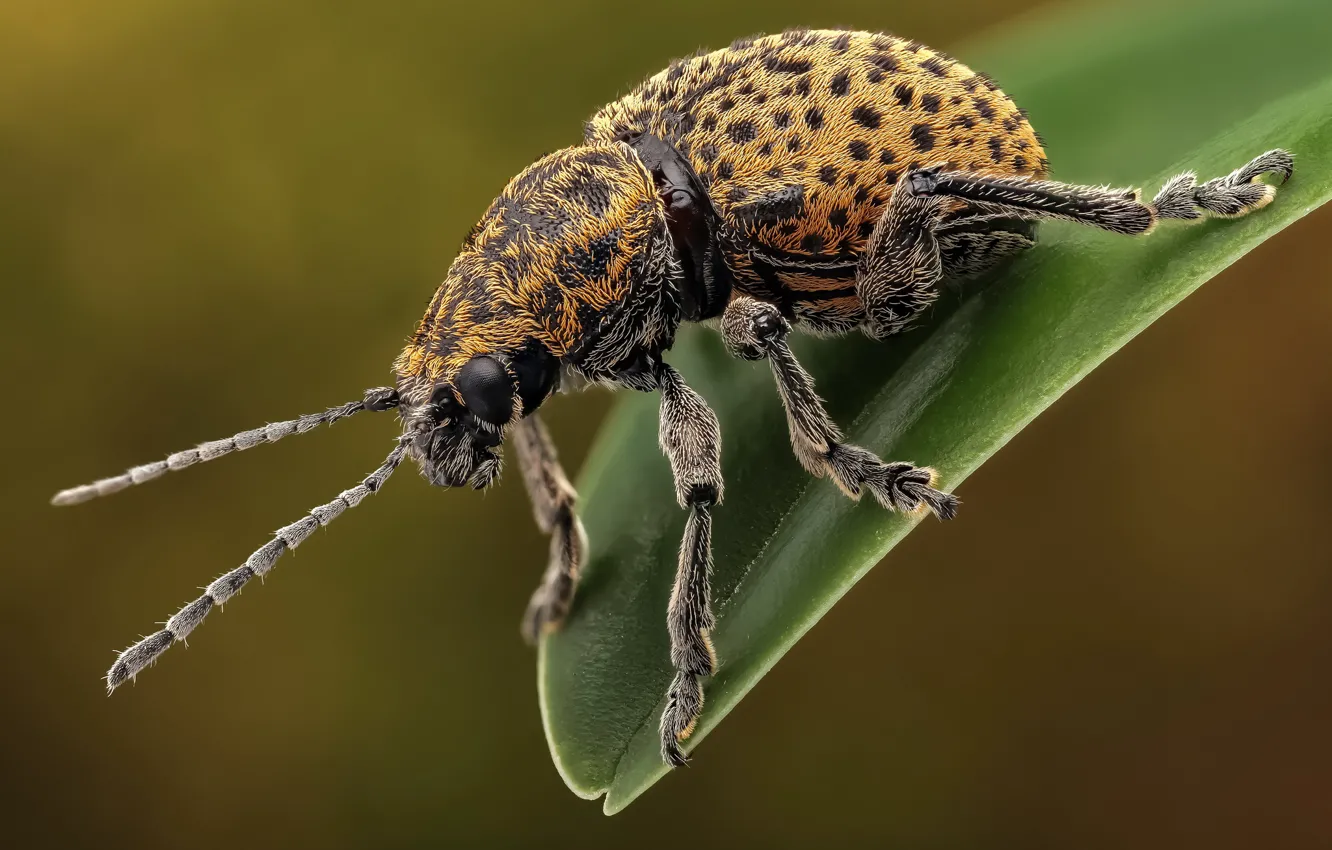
{"x":1122,"y":99}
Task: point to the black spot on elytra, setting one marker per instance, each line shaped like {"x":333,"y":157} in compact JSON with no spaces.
{"x":775,"y":172}
{"x":708,"y":153}
{"x":840,"y":84}
{"x":726,"y":104}
{"x":709,"y":123}
{"x":1020,"y":163}
{"x":866,"y":116}
{"x":778,"y":64}
{"x":814,"y":118}
{"x":983,"y":108}
{"x":812,"y":243}
{"x":929,"y":102}
{"x":841,"y":43}
{"x":936,"y":66}
{"x":765,"y":149}
{"x":742,"y":131}
{"x":987,"y":81}
{"x":837,"y":218}
{"x":883,"y":42}
{"x":885,"y":62}
{"x":746,"y":89}
{"x":851,"y":178}
{"x":887,"y":157}
{"x":862,"y":195}
{"x":874,"y":75}
{"x":781,"y":120}
{"x":802,"y":87}
{"x":865,"y":229}
{"x":675,"y":71}
{"x":956,"y":99}
{"x":760,"y":98}
{"x":914,"y":47}
{"x":996,"y":145}
{"x":966,"y":122}
{"x":828,"y":174}
{"x":859,"y":150}
{"x":788,"y":228}
{"x":1012,"y":123}
{"x":904,"y":94}
{"x":922,"y":136}
{"x":725,"y":170}
{"x":793,"y":144}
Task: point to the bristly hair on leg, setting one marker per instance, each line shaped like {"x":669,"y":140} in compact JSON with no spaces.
{"x":142,"y":654}
{"x":378,"y":399}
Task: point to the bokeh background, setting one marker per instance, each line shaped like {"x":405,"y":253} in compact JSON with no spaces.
{"x":215,"y":214}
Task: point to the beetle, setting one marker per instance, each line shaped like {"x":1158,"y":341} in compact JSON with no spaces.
{"x":819,"y":180}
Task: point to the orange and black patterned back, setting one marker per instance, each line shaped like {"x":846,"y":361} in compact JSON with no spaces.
{"x":800,"y":138}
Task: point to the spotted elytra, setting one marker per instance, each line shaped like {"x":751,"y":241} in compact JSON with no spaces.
{"x":825,"y":181}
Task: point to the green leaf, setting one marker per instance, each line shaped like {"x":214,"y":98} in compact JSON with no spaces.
{"x":1125,"y":97}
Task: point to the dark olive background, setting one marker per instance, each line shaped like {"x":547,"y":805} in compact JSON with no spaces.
{"x":215,"y":214}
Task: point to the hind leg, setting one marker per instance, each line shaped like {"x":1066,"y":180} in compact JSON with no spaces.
{"x":1116,"y":210}
{"x":899,"y":271}
{"x":903,"y":262}
{"x":973,"y":243}
{"x":917,"y":244}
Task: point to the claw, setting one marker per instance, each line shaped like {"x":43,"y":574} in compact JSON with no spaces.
{"x":684,"y":704}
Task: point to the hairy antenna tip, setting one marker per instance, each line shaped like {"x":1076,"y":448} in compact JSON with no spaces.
{"x":72,"y":496}
{"x":116,"y":676}
{"x":131,"y":662}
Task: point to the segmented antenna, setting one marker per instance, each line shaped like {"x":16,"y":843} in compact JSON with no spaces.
{"x":132,"y":661}
{"x":380,"y":398}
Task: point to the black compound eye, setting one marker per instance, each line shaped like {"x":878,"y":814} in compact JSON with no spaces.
{"x":486,"y":389}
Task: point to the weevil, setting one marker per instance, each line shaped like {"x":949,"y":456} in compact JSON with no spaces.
{"x":825,"y":181}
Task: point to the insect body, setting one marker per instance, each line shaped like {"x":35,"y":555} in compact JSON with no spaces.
{"x":819,"y":180}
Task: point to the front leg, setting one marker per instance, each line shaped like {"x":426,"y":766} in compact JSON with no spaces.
{"x":754,"y":330}
{"x":691,"y":439}
{"x":553,"y":499}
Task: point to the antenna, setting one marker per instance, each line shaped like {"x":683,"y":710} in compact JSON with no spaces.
{"x":380,"y":398}
{"x":134,"y":659}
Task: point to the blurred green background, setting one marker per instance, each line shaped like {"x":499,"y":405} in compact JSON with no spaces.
{"x":216,"y":214}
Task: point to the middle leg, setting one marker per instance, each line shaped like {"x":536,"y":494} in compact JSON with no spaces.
{"x":755,"y":330}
